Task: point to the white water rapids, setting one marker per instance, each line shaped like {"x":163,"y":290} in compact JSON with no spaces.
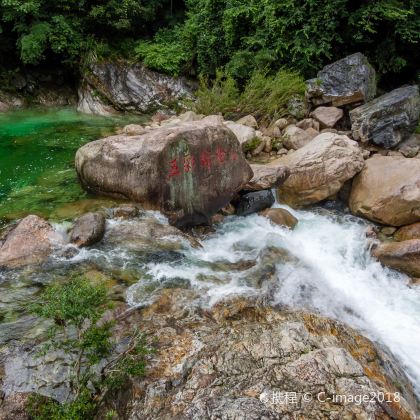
{"x":332,"y":274}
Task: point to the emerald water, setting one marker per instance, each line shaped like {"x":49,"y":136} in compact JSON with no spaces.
{"x":37,"y":148}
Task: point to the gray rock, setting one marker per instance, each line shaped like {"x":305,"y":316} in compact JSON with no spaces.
{"x":295,"y":138}
{"x":30,"y":242}
{"x":327,"y":116}
{"x":237,"y":359}
{"x":346,"y":81}
{"x":254,"y":202}
{"x":266,"y":177}
{"x":131,"y":87}
{"x":389,"y":119}
{"x":189,"y":171}
{"x":88,"y":229}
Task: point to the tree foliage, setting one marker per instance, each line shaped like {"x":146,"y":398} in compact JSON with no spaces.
{"x":248,"y":35}
{"x":200,"y":36}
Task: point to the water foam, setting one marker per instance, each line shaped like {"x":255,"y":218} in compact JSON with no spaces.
{"x":331,"y":272}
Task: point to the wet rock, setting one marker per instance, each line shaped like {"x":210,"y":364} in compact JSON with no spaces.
{"x":388,"y":230}
{"x":249,"y":121}
{"x":189,"y":171}
{"x":88,"y":229}
{"x":327,"y":116}
{"x":280,"y":217}
{"x":388,"y":191}
{"x":132,"y":87}
{"x":389,"y":119}
{"x":408,"y":232}
{"x":403,"y":256}
{"x":30,"y":242}
{"x":319,"y":169}
{"x":349,"y":80}
{"x":266,"y":177}
{"x":236,"y":357}
{"x":146,"y":235}
{"x":295,"y":138}
{"x":254,"y":202}
{"x":125,"y":212}
{"x":243,"y":133}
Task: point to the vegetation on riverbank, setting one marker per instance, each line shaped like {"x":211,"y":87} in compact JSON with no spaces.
{"x":199,"y":37}
{"x":78,"y":329}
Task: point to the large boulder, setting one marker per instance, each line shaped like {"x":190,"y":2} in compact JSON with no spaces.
{"x":189,"y":171}
{"x":319,"y":169}
{"x":30,"y":242}
{"x":389,"y":119}
{"x":388,"y":190}
{"x":349,"y":80}
{"x":88,"y":229}
{"x":129,"y":87}
{"x":408,"y":232}
{"x":241,"y":358}
{"x":266,"y":177}
{"x":403,"y":256}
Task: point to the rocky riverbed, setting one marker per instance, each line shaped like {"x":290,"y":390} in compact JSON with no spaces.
{"x":276,"y":266}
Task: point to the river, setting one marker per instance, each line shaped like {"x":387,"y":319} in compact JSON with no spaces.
{"x":324,"y":265}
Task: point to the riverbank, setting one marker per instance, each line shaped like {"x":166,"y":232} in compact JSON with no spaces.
{"x":244,"y":268}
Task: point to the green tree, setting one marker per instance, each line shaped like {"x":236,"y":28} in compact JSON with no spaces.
{"x":76,"y":310}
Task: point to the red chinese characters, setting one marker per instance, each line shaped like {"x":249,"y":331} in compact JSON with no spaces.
{"x":173,"y":169}
{"x":205,"y":160}
{"x":221,"y":155}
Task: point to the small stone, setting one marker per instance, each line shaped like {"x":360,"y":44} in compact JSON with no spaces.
{"x":88,"y":229}
{"x":254,"y":202}
{"x":388,"y":230}
{"x":308,"y":123}
{"x":282,"y":152}
{"x":249,"y":121}
{"x":281,"y":123}
{"x":125,"y":212}
{"x":327,"y":116}
{"x":280,"y":217}
{"x":329,"y":130}
{"x":134,"y":130}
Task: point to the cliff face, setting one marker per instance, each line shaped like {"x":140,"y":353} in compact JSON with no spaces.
{"x":127,"y":87}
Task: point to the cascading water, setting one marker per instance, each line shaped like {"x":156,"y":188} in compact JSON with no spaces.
{"x":324,"y":265}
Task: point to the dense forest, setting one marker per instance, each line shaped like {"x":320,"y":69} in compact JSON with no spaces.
{"x":198,"y":37}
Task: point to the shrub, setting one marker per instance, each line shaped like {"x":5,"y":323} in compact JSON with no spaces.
{"x":220,"y":95}
{"x":265,"y":96}
{"x":166,"y":53}
{"x":76,"y":310}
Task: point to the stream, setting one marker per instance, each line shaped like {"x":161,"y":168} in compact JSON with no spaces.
{"x":324,"y":265}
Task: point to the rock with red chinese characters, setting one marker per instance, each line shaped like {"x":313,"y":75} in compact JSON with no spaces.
{"x":188,"y":171}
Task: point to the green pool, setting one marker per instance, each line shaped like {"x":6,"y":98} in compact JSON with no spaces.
{"x":37,"y":148}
